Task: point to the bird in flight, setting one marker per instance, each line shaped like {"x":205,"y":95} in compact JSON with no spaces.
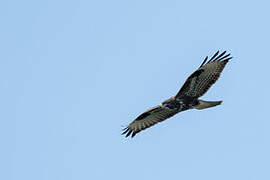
{"x":196,"y":85}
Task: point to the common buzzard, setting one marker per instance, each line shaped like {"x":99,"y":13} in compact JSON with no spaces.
{"x":196,"y":85}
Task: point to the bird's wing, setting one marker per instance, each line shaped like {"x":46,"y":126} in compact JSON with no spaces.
{"x":202,"y":79}
{"x":148,"y":119}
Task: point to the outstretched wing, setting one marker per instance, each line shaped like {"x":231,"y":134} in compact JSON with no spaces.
{"x":208,"y":73}
{"x":148,"y":119}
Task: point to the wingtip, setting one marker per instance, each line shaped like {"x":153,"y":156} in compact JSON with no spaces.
{"x":213,"y":57}
{"x":220,"y":57}
{"x":125,"y":130}
{"x":133,"y":134}
{"x":205,"y":59}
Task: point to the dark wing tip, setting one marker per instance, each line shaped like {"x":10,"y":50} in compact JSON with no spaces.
{"x":134,"y":133}
{"x":227,"y":59}
{"x":127,"y":132}
{"x":204,"y":61}
{"x":213,"y":57}
{"x":220,"y":57}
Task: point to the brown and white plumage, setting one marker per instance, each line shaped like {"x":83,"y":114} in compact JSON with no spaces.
{"x":196,"y":85}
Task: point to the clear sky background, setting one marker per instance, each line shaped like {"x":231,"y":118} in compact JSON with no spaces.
{"x":73,"y":73}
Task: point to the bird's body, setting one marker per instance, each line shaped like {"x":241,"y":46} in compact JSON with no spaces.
{"x":181,"y":104}
{"x":194,"y":87}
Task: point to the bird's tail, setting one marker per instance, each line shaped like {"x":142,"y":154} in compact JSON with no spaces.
{"x":207,"y":104}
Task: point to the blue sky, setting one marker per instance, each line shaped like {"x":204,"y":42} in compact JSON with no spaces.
{"x":72,"y":73}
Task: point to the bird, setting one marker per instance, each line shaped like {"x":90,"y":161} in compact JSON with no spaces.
{"x":195,"y":86}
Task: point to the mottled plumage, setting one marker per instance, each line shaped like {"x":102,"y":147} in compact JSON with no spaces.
{"x":196,"y":85}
